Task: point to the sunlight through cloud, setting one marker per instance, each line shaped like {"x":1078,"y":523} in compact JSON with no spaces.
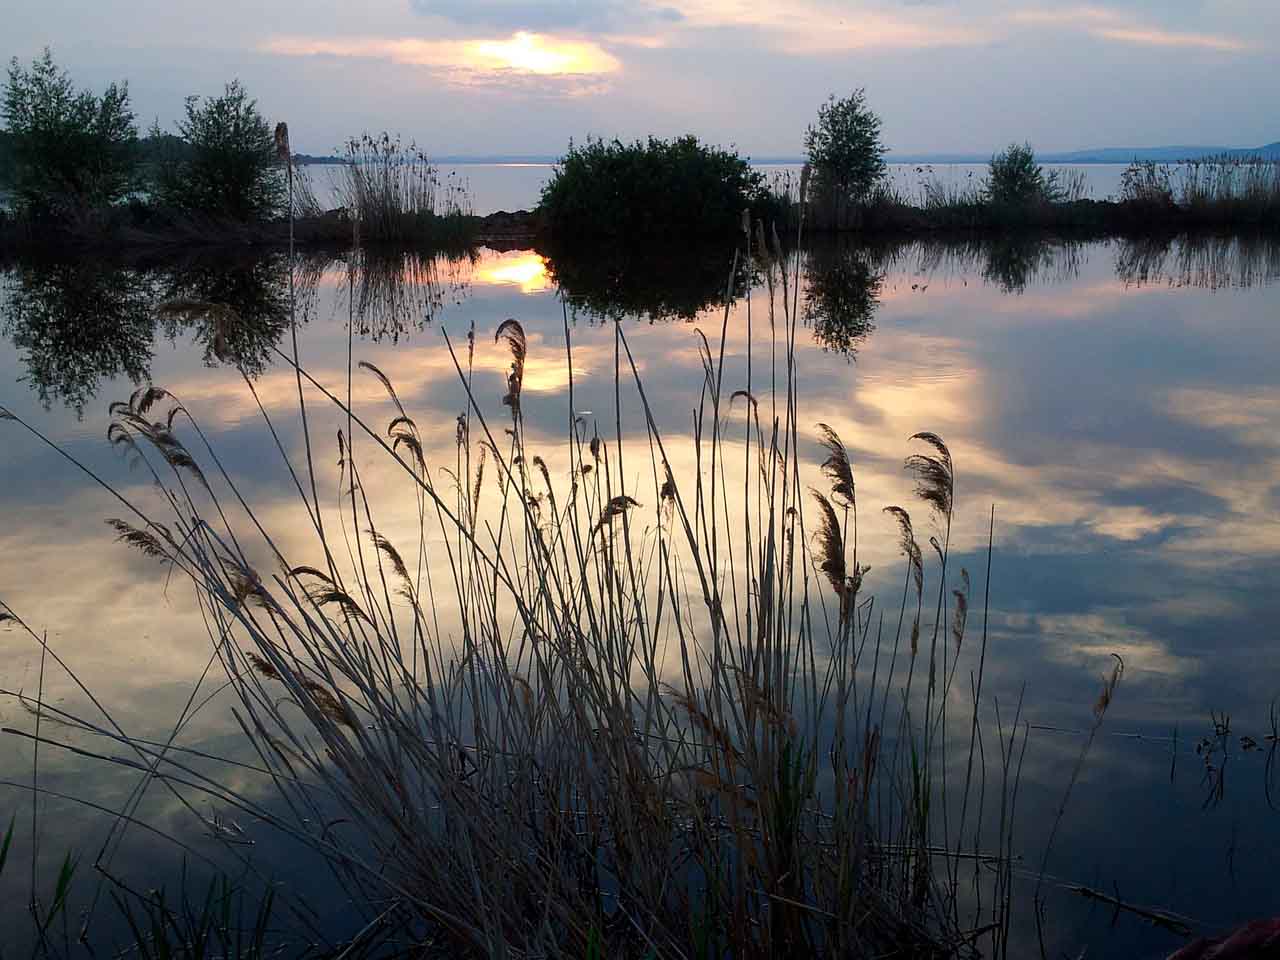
{"x":531,"y":54}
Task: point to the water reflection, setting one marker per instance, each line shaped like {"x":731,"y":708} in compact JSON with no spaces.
{"x":1126,"y":430}
{"x":77,"y":324}
{"x":842,"y":290}
{"x":256,"y":292}
{"x":653,"y":286}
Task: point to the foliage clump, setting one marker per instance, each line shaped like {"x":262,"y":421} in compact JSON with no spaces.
{"x":845,"y":150}
{"x":1014,"y":179}
{"x":69,"y":150}
{"x":649,"y":191}
{"x":230,"y":169}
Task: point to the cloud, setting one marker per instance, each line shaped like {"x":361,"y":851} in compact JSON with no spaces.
{"x":1109,"y":24}
{"x":592,"y":15}
{"x":817,"y":27}
{"x":521,"y":54}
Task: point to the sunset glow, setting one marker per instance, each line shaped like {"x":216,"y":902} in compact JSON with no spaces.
{"x":534,"y":53}
{"x":523,"y":53}
{"x":528,"y":271}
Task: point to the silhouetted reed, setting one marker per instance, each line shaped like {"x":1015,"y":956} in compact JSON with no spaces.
{"x":393,"y":193}
{"x":593,"y":721}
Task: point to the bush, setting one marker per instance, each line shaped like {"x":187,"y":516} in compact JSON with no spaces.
{"x":230,"y":169}
{"x":648,"y":191}
{"x":69,"y":150}
{"x":844,"y":149}
{"x":1014,"y":179}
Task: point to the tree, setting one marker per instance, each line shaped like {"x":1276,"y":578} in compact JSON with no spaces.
{"x":230,"y":169}
{"x":844,"y":149}
{"x":1014,"y":179}
{"x":69,"y":149}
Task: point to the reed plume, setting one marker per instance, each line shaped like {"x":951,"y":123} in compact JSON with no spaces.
{"x":836,"y":467}
{"x":511,"y":330}
{"x":935,"y":477}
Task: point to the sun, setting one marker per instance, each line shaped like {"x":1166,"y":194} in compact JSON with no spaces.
{"x":538,"y":54}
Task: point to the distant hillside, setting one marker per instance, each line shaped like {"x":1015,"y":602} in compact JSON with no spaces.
{"x":1171,"y":154}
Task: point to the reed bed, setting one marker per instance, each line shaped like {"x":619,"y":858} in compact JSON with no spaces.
{"x":581,"y":714}
{"x":393,"y":193}
{"x":1215,"y":190}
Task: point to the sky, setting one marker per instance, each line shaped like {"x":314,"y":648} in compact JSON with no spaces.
{"x":473,"y":77}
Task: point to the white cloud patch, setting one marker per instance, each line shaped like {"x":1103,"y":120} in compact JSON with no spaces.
{"x":1107,"y":23}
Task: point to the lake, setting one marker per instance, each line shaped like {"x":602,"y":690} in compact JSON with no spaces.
{"x":1118,"y":403}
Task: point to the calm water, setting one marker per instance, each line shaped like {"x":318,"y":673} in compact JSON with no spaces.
{"x":1118,"y":403}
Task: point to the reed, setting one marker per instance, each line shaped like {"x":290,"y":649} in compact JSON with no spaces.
{"x":594,"y":704}
{"x":393,"y":193}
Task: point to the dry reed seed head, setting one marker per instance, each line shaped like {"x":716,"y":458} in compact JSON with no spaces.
{"x":460,"y":435}
{"x":511,"y":330}
{"x":386,"y":384}
{"x":262,"y":665}
{"x":283,"y":154}
{"x":246,"y":585}
{"x":384,"y":546}
{"x":328,"y":704}
{"x":309,"y":571}
{"x":935,"y":477}
{"x":613,"y":509}
{"x":1109,"y":685}
{"x":597,"y":447}
{"x":148,"y":544}
{"x":475,"y":493}
{"x":837,"y":467}
{"x":334,"y":596}
{"x":829,"y":544}
{"x":909,"y":546}
{"x":961,"y":616}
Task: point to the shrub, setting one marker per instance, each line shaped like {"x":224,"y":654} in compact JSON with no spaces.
{"x":844,"y":149}
{"x":648,"y":191}
{"x":230,"y":169}
{"x":69,"y":149}
{"x":1014,"y":179}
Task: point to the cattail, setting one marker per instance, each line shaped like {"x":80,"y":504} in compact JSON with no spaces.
{"x":283,"y":154}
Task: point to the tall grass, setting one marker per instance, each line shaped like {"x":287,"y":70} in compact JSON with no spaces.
{"x":395,"y":194}
{"x":1241,"y":190}
{"x":615,"y":696}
